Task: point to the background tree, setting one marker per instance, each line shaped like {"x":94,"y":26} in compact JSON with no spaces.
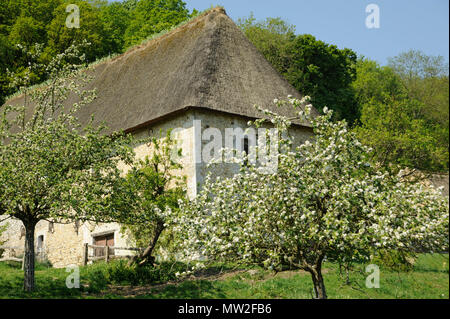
{"x":6,"y":60}
{"x":53,"y":167}
{"x":116,"y":18}
{"x":27,"y":31}
{"x":313,"y":67}
{"x":402,"y":127}
{"x":153,"y":187}
{"x":425,"y":79}
{"x":102,"y":23}
{"x":91,"y":30}
{"x":272,"y":37}
{"x":153,"y":16}
{"x":9,"y":10}
{"x":326,"y":200}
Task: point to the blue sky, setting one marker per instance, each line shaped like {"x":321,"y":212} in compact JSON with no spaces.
{"x":404,"y":24}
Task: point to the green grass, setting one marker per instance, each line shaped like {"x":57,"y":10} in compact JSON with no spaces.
{"x":429,"y":279}
{"x":49,"y":281}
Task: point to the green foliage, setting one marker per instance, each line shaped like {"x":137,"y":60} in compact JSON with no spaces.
{"x":402,"y":127}
{"x":153,"y":188}
{"x":317,"y":69}
{"x":325,"y":73}
{"x":425,"y":79}
{"x":115,"y":19}
{"x":111,"y":27}
{"x":272,"y":37}
{"x":91,"y":30}
{"x":153,"y":16}
{"x":100,"y":275}
{"x":27,"y":31}
{"x":7,"y":51}
{"x":395,"y":260}
{"x":375,"y":83}
{"x":53,"y":166}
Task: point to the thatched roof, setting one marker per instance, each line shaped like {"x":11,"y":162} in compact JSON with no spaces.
{"x":205,"y":63}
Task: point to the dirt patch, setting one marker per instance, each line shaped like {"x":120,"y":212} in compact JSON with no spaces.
{"x":131,"y":292}
{"x":209,"y":274}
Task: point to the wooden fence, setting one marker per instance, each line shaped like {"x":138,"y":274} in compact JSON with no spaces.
{"x":106,"y":256}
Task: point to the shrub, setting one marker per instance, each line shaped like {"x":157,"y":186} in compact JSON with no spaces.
{"x":100,"y":275}
{"x":395,"y":260}
{"x":96,"y":280}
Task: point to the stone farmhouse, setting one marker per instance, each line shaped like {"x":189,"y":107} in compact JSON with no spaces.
{"x":203,"y":74}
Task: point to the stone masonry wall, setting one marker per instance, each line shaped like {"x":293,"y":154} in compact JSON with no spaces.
{"x":63,"y":243}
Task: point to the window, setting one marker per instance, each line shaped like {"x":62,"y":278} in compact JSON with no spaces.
{"x":246,"y":145}
{"x":246,"y":150}
{"x":40,"y":244}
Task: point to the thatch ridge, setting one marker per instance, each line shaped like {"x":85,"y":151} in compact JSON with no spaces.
{"x":206,"y":62}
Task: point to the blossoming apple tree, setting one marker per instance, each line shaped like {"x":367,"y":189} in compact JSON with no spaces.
{"x":53,"y":167}
{"x":326,"y":200}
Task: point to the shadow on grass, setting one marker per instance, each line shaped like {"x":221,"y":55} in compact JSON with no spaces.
{"x":432,"y":263}
{"x":190,"y":289}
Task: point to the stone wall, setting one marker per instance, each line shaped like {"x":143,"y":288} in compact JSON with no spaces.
{"x":63,"y":243}
{"x":222,"y":121}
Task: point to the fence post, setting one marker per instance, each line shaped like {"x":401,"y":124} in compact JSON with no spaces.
{"x":107,"y":254}
{"x":86,"y":254}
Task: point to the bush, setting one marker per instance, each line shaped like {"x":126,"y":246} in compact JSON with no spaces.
{"x":395,"y":260}
{"x":96,"y":280}
{"x":118,"y":273}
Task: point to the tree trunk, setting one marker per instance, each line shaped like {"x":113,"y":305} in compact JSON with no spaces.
{"x":28,"y":262}
{"x":319,"y":285}
{"x":317,"y":278}
{"x":146,"y":256}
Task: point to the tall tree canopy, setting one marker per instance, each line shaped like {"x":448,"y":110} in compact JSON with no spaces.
{"x":153,"y":16}
{"x":53,"y":167}
{"x":313,"y":67}
{"x":111,"y":27}
{"x":404,"y":111}
{"x":91,"y":29}
{"x":425,"y":79}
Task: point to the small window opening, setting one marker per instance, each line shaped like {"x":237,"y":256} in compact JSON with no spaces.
{"x":40,"y":243}
{"x":246,"y":150}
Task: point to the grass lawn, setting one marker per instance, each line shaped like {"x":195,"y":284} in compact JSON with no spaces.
{"x":429,"y":279}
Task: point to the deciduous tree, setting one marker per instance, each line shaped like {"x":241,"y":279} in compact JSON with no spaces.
{"x":313,"y":67}
{"x":52,"y":166}
{"x":148,"y":200}
{"x":326,"y":201}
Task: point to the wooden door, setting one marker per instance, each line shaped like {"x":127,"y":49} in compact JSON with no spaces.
{"x":104,"y":240}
